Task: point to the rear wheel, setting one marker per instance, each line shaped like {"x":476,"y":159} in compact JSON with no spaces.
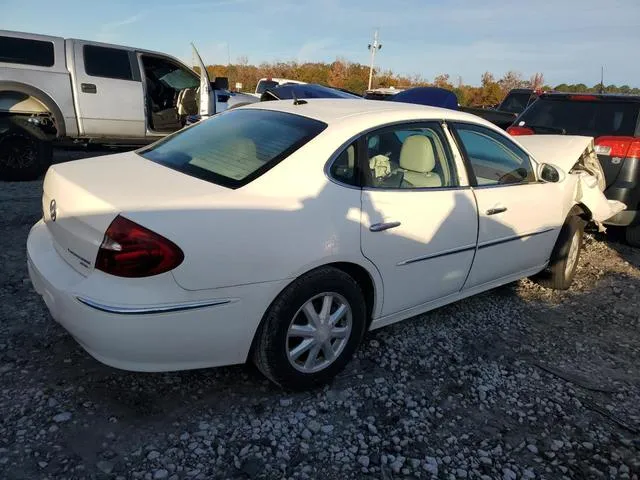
{"x":632,"y":235}
{"x":24,"y":153}
{"x":311,"y":330}
{"x":564,"y":257}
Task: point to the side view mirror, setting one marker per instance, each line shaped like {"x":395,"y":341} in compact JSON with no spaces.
{"x":220,"y":83}
{"x":550,"y":173}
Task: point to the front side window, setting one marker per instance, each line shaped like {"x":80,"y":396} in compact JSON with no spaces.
{"x":409,"y":156}
{"x":25,"y":51}
{"x":236,"y":146}
{"x":493,"y":159}
{"x":107,"y":62}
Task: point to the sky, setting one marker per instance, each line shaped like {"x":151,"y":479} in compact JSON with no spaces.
{"x":567,"y":40}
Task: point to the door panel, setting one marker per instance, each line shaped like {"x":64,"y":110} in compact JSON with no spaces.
{"x":108,"y":106}
{"x":519,"y":217}
{"x":428,"y":251}
{"x":518,"y":227}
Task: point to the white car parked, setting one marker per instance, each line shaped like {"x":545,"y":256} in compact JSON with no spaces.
{"x":283,"y":231}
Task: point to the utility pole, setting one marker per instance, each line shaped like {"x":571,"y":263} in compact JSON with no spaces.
{"x":602,"y":79}
{"x":228,"y":55}
{"x":373,"y":47}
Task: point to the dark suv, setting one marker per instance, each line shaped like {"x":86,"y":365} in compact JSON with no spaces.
{"x":614,"y":122}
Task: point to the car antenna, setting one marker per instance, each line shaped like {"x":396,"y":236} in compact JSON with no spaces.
{"x":296,"y":100}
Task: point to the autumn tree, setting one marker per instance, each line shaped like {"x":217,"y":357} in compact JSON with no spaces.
{"x":511,"y":80}
{"x":536,"y":81}
{"x":442,"y":81}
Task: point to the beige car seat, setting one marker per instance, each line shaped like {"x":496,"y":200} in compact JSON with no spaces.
{"x":418,"y":159}
{"x":187,"y":104}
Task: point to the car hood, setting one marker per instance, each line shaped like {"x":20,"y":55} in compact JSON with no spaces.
{"x":566,"y":152}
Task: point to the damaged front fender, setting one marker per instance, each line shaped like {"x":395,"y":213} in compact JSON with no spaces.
{"x":587,"y":192}
{"x":576,"y":155}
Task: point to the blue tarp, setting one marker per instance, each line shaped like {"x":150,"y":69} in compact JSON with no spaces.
{"x":432,"y":96}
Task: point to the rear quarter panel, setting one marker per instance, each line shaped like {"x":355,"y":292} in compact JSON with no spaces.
{"x":277,"y":227}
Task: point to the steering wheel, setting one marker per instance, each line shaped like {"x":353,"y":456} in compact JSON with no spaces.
{"x":514,"y":176}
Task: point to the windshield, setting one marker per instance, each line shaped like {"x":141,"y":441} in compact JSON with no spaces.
{"x":265,"y":84}
{"x":591,"y":118}
{"x":234,"y":147}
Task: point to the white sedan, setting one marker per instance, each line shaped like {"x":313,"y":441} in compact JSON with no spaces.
{"x":282,"y":231}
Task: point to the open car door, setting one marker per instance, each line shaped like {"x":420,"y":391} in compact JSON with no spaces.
{"x":207,"y":103}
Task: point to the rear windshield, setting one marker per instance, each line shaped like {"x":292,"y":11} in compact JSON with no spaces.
{"x":265,"y":84}
{"x":234,"y":147}
{"x":592,"y":118}
{"x":26,"y":51}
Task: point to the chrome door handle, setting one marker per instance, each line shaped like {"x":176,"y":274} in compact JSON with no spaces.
{"x":494,"y":211}
{"x":380,"y":227}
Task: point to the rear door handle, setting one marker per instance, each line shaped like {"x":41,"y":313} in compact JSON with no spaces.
{"x":88,"y":88}
{"x":380,"y":227}
{"x":496,"y":210}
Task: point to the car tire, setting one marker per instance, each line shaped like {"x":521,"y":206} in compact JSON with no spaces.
{"x":279,"y":336}
{"x":564,"y":256}
{"x":25,"y":153}
{"x":632,"y":235}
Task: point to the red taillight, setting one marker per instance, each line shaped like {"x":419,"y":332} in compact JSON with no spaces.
{"x":130,"y":250}
{"x":621,"y":147}
{"x":520,"y":131}
{"x":583,"y":98}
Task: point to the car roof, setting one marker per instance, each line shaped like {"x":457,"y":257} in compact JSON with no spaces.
{"x":336,"y":110}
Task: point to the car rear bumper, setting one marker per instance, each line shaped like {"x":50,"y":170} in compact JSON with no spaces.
{"x":178,"y":335}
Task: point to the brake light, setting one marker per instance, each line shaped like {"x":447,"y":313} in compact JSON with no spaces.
{"x":520,"y":131}
{"x":130,"y":250}
{"x":622,"y":147}
{"x":583,"y":98}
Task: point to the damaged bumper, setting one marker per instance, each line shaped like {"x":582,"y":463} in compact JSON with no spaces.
{"x":589,"y":194}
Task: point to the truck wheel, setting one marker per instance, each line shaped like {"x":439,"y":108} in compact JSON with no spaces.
{"x":564,"y":257}
{"x":632,"y":235}
{"x":25,"y":153}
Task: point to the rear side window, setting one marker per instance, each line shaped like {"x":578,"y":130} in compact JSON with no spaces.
{"x":234,"y":147}
{"x":107,"y":62}
{"x":26,"y":52}
{"x":591,"y":118}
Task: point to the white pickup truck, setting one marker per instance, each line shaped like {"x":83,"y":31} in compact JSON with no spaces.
{"x":56,"y":89}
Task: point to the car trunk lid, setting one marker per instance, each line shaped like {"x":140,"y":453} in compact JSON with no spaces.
{"x":80,"y":200}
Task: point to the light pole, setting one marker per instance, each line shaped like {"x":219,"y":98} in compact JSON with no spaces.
{"x":375,"y":46}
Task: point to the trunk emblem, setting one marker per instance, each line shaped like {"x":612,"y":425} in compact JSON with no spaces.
{"x":53,"y":210}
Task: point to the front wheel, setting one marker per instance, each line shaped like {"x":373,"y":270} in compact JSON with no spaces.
{"x":311,"y":330}
{"x":564,"y":257}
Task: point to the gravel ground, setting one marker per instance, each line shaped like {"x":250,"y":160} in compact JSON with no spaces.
{"x":519,"y":382}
